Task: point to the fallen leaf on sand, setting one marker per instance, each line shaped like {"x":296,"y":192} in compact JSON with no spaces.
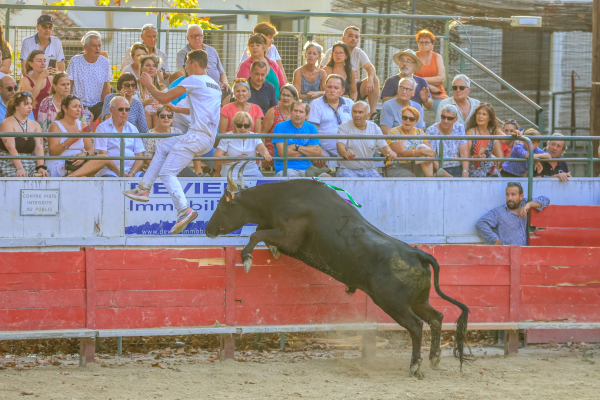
{"x":159,"y":365}
{"x":27,"y":392}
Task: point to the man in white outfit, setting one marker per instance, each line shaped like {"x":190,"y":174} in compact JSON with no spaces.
{"x":175,"y":153}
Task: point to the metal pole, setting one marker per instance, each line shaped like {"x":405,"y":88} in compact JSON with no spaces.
{"x":463,"y":67}
{"x":158,"y":23}
{"x":412,"y":21}
{"x":282,"y":341}
{"x":122,"y":159}
{"x":120,"y":345}
{"x":590,"y":152}
{"x":305,"y":26}
{"x":552,"y":111}
{"x":285,"y":156}
{"x":595,"y":95}
{"x":6,"y":27}
{"x":441,"y":154}
{"x":447,"y":56}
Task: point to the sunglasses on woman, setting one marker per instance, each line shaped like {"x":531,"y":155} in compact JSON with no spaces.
{"x":130,"y":85}
{"x":245,"y":126}
{"x":407,"y":118}
{"x":163,"y":116}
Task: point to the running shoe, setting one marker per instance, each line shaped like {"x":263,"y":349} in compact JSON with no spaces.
{"x":138,"y":194}
{"x":183,"y":219}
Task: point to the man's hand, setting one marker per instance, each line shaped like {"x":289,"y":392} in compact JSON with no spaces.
{"x":563,"y":176}
{"x":392,"y":155}
{"x":348,"y":155}
{"x":538,"y":167}
{"x":369,"y":87}
{"x":498,"y":242}
{"x":425,"y":94}
{"x":525,"y":210}
{"x":145,"y":79}
{"x":225,"y":85}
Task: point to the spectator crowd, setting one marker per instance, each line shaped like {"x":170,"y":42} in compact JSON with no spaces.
{"x":326,"y":96}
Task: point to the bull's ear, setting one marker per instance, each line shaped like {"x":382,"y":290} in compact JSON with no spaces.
{"x":229,"y":196}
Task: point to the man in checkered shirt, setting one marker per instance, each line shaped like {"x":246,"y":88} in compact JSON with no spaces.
{"x":507,"y":224}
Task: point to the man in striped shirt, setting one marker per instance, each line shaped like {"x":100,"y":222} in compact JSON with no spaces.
{"x":507,"y":224}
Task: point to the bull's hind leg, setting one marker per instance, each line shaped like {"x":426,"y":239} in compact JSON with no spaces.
{"x":434,"y":319}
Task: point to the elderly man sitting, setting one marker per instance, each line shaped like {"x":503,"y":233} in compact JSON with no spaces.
{"x":452,"y":148}
{"x":117,"y":123}
{"x":391,"y":112}
{"x":461,"y":88}
{"x":352,"y":148}
{"x":149,"y":36}
{"x":560,"y":169}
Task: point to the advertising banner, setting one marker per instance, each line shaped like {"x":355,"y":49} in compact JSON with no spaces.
{"x":157,"y":217}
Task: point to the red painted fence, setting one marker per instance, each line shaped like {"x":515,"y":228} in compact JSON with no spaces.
{"x":126,"y":289}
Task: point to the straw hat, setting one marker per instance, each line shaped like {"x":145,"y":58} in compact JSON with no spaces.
{"x":410,"y":53}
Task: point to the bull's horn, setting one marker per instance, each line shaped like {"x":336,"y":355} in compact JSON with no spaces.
{"x":231,"y":184}
{"x":240,"y":179}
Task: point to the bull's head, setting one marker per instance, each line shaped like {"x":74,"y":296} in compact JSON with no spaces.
{"x":230,"y":214}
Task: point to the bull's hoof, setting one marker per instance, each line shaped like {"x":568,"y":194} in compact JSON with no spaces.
{"x":247,"y":263}
{"x":274,"y":251}
{"x":435,"y":358}
{"x":415,"y":369}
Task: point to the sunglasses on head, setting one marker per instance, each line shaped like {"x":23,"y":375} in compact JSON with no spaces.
{"x":448,"y":118}
{"x":407,"y":118}
{"x":245,"y":126}
{"x":163,"y":116}
{"x":461,"y":88}
{"x":121,"y":109}
{"x":72,"y":96}
{"x":287,"y":95}
{"x":236,"y":80}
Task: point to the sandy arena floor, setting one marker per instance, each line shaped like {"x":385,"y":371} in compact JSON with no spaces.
{"x":536,"y":373}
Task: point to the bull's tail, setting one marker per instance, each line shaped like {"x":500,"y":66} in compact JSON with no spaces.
{"x":461,"y":323}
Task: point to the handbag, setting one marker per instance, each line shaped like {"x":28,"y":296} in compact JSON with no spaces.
{"x":70,"y":167}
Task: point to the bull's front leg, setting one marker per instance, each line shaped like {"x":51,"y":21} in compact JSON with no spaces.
{"x":271,"y":237}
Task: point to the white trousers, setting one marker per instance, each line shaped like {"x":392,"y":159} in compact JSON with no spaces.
{"x":172,"y":155}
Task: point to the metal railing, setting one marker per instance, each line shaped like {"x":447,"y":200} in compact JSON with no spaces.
{"x":539,"y":124}
{"x":590,"y":159}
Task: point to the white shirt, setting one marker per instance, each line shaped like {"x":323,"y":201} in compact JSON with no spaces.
{"x":272,"y":54}
{"x":54,"y":166}
{"x":89,"y":78}
{"x":235,"y":147}
{"x":204,"y":96}
{"x":323,"y":117}
{"x":113,"y":145}
{"x":358,"y":58}
{"x":129,"y":69}
{"x":180,"y":120}
{"x":362,"y":148}
{"x":164,"y":59}
{"x":53,"y":51}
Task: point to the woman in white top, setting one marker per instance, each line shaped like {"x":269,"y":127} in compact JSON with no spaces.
{"x":242,"y":121}
{"x":67,"y":121}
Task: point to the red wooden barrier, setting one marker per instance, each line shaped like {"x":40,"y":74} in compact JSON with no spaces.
{"x":566,"y":226}
{"x":128,"y":289}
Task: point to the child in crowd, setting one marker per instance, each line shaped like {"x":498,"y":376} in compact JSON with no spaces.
{"x":269,"y":30}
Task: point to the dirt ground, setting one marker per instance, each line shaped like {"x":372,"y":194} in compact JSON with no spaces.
{"x":306,"y":369}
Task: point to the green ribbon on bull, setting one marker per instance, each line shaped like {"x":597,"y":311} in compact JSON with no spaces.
{"x":349,"y":200}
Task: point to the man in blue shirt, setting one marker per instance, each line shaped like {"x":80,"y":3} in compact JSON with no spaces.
{"x":507,"y":224}
{"x":297,"y":147}
{"x":8,"y":88}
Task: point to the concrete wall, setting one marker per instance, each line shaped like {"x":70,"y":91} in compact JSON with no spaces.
{"x":92,"y":211}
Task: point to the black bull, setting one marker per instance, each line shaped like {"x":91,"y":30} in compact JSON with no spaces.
{"x":308,"y":221}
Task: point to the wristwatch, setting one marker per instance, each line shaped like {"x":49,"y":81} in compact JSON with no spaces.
{"x":297,"y":147}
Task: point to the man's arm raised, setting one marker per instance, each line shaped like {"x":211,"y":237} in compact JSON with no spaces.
{"x":162,"y":97}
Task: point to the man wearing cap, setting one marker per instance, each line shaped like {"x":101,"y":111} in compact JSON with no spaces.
{"x":195,"y":39}
{"x":368,"y":87}
{"x":408,"y":63}
{"x":149,"y":36}
{"x":43,"y":40}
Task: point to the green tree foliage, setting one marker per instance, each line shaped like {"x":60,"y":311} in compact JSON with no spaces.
{"x":176,"y":19}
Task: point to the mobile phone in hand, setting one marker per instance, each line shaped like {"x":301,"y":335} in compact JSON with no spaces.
{"x":52,"y":64}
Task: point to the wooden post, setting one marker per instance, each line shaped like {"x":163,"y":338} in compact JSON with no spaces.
{"x":595,"y":100}
{"x":87,"y":347}
{"x":511,"y":338}
{"x":369,"y":345}
{"x":227,"y":347}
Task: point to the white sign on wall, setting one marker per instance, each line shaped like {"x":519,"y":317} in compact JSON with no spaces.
{"x":39,"y":201}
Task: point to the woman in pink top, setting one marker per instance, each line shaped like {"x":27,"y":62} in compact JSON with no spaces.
{"x":38,"y":79}
{"x":241,"y":92}
{"x":257,"y":46}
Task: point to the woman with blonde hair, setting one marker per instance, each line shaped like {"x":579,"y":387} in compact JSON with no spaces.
{"x":309,"y":79}
{"x":138,"y":50}
{"x":409,"y":148}
{"x":242,"y":122}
